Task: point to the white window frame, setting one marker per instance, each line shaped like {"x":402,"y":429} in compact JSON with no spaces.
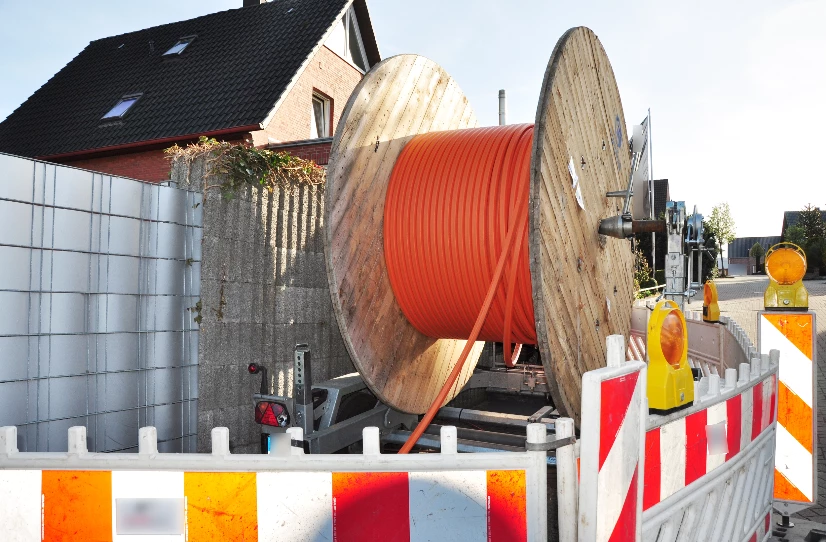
{"x":130,"y":98}
{"x":325,"y":116}
{"x":185,"y":41}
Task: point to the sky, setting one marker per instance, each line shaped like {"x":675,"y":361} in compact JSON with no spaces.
{"x":737,"y":90}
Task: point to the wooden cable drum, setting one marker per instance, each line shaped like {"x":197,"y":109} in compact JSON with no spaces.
{"x":581,"y":282}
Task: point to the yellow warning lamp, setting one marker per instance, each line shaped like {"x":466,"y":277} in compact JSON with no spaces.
{"x":785,"y":266}
{"x":670,"y":381}
{"x":711,"y":310}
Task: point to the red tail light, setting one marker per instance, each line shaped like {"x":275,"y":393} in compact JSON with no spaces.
{"x":274,"y":414}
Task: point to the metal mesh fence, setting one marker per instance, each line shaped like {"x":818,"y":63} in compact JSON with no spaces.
{"x":99,"y":284}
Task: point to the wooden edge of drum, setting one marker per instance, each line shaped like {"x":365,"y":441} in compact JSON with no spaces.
{"x":399,"y":98}
{"x":582,"y":282}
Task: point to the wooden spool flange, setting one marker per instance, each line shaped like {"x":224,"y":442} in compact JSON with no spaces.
{"x":582,"y":282}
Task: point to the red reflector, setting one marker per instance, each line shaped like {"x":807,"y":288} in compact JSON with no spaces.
{"x":274,"y":414}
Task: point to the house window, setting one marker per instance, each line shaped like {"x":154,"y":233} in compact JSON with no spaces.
{"x":320,"y":120}
{"x":345,"y":40}
{"x":123,"y":105}
{"x":180,"y":46}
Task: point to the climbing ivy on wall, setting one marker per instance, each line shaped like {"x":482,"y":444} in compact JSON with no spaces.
{"x":234,"y":166}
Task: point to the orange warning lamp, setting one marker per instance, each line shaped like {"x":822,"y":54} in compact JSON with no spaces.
{"x":670,"y":381}
{"x":785,"y":266}
{"x":711,"y":310}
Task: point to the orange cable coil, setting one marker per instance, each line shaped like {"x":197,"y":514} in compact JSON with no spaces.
{"x":450,"y":200}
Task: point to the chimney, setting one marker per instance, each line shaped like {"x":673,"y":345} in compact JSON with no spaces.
{"x":254,"y":2}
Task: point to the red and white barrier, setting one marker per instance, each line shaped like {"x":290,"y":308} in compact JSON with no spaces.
{"x":709,"y":469}
{"x":794,"y":336}
{"x":680,"y":451}
{"x":611,"y":456}
{"x":202,"y":497}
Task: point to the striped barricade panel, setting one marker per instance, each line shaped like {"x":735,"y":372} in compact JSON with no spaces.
{"x":493,"y":497}
{"x":209,"y":506}
{"x":610,"y":491}
{"x":708,"y":471}
{"x":793,"y":335}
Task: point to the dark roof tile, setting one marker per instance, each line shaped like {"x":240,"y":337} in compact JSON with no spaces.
{"x":230,"y":76}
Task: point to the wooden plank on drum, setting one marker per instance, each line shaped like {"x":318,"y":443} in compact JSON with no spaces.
{"x":574,"y":272}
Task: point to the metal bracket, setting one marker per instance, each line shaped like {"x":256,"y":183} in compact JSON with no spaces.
{"x":303,"y":444}
{"x":549,"y":445}
{"x":539,"y":414}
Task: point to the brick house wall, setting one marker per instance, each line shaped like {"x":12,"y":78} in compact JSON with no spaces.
{"x":317,"y":150}
{"x":145,"y":165}
{"x":326,"y":73}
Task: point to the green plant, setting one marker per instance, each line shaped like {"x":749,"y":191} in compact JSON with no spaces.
{"x":811,"y":221}
{"x":810,"y":234}
{"x":197,"y":310}
{"x":236,"y":166}
{"x":710,"y":269}
{"x":795,"y":234}
{"x":721,"y":225}
{"x":642,"y":275}
{"x":815,"y":250}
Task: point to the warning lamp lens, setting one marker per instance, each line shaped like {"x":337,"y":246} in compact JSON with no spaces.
{"x":785,"y":265}
{"x":252,"y":368}
{"x":707,"y":296}
{"x":672,"y":338}
{"x":274,"y":414}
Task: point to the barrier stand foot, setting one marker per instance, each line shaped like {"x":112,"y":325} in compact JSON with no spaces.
{"x":785,"y":522}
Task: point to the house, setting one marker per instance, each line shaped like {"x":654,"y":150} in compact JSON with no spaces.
{"x":275,"y":74}
{"x":791,"y":218}
{"x":739,"y":260}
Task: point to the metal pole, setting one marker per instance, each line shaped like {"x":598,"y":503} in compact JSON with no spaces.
{"x":502,"y":108}
{"x":302,"y":390}
{"x":651,"y":198}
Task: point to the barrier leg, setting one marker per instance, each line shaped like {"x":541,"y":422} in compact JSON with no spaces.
{"x":566,"y":482}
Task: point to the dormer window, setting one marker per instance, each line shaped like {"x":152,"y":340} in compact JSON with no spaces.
{"x":120,"y":108}
{"x":180,"y":46}
{"x":345,"y":41}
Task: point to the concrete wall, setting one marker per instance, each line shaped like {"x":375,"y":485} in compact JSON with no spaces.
{"x":264,"y":289}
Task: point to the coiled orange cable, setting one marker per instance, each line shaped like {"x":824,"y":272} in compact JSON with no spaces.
{"x":456,"y":203}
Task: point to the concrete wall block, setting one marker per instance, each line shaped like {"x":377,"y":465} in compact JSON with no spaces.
{"x":213,"y":211}
{"x":337,"y":346}
{"x":258,"y":344}
{"x":266,"y":251}
{"x":211,"y":267}
{"x":234,"y":306}
{"x":284,"y":340}
{"x":210,"y":300}
{"x":257,"y":303}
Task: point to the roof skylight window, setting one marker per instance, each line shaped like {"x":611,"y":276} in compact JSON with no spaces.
{"x":123,"y":105}
{"x":180,"y":46}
